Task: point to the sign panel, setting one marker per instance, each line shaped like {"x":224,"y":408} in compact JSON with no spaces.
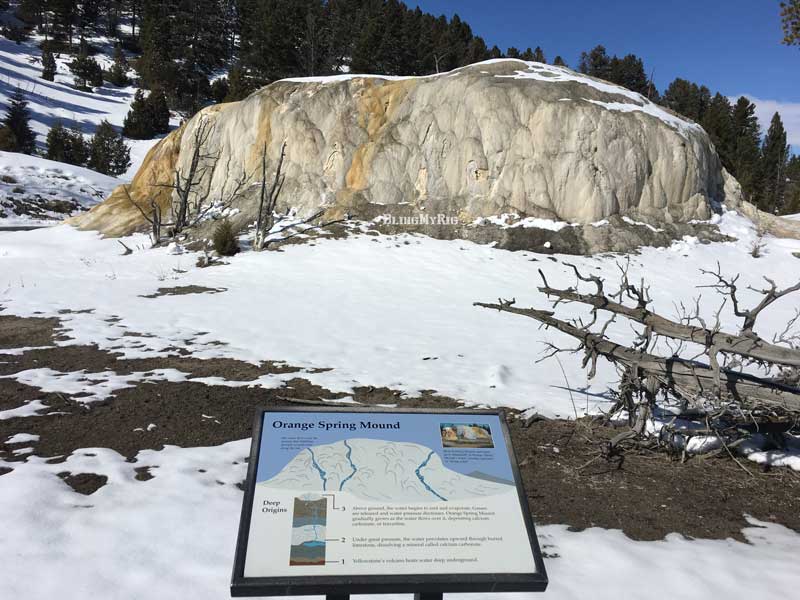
{"x":348,"y":501}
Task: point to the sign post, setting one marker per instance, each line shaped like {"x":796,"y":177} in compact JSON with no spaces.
{"x":343,"y":501}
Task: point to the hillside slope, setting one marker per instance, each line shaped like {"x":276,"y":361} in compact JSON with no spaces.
{"x":50,"y":102}
{"x":37,"y":191}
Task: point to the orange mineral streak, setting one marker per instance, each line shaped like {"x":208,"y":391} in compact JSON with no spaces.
{"x":117,"y":216}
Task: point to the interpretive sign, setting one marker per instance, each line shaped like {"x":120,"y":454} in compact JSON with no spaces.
{"x":342,"y":501}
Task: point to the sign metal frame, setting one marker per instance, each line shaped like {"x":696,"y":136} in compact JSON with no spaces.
{"x":343,"y":585}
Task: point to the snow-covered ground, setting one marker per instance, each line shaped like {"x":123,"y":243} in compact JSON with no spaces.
{"x":29,"y":181}
{"x":391,"y":311}
{"x":174,"y":535}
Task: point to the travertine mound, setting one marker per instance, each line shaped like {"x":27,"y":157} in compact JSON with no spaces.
{"x":502,"y":136}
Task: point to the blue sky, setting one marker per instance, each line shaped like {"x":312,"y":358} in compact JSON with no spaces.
{"x":732,"y":46}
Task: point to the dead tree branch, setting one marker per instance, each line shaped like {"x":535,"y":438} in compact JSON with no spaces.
{"x":688,"y":379}
{"x":748,"y":345}
{"x":270,"y":226}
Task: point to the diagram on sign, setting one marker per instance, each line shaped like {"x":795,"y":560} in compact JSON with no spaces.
{"x":384,"y":471}
{"x":309,"y":520}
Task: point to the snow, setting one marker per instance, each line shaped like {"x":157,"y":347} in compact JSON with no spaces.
{"x":511,"y":220}
{"x":554,"y":74}
{"x":22,"y":438}
{"x":371,"y":309}
{"x":28,"y":409}
{"x":93,"y":387}
{"x":26,"y":176}
{"x":541,"y":72}
{"x":110,"y":545}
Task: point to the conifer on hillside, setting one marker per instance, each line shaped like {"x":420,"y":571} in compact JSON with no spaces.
{"x":108,"y":153}
{"x":628,"y":72}
{"x":147,"y":117}
{"x":66,"y":145}
{"x":20,"y":136}
{"x":48,"y":65}
{"x":137,"y":124}
{"x":240,"y":85}
{"x":687,"y":99}
{"x":718,"y":123}
{"x":87,"y":73}
{"x":791,"y":203}
{"x":118,"y":74}
{"x":774,"y":160}
{"x":8,"y":141}
{"x":159,"y":110}
{"x":595,"y":63}
{"x":746,"y":146}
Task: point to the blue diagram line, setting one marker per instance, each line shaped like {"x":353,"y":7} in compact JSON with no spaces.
{"x":322,"y":473}
{"x":350,"y":460}
{"x":422,"y":479}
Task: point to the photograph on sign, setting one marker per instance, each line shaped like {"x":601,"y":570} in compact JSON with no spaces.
{"x":389,"y":493}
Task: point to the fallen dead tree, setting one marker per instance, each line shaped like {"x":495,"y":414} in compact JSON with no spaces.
{"x":734,"y":385}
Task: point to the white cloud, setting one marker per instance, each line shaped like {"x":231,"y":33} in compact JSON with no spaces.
{"x":790,"y":115}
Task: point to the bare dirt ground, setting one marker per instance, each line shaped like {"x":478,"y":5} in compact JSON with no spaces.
{"x":646,"y":495}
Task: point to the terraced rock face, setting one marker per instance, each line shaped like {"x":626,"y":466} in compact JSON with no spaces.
{"x":497,"y":137}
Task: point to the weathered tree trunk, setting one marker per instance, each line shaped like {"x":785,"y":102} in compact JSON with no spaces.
{"x":750,"y":346}
{"x":687,"y":378}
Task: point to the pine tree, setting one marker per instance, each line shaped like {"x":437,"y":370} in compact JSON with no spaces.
{"x":746,"y":147}
{"x":147,"y":116}
{"x":118,"y":74}
{"x":159,"y":110}
{"x":687,"y":99}
{"x":595,"y":63}
{"x":8,"y":141}
{"x":219,"y":89}
{"x":513,"y":52}
{"x":48,"y":65}
{"x":77,"y":150}
{"x":138,"y":123}
{"x":477,"y":51}
{"x":495,"y":52}
{"x":559,"y":62}
{"x":17,"y":120}
{"x":774,"y":160}
{"x":538,"y":55}
{"x":629,"y":72}
{"x":718,"y":123}
{"x":240,"y":85}
{"x":790,"y":19}
{"x":791,"y":205}
{"x":108,"y":153}
{"x":155,"y":65}
{"x":66,"y":145}
{"x":527,"y":55}
{"x":87,"y":73}
{"x":56,"y":143}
